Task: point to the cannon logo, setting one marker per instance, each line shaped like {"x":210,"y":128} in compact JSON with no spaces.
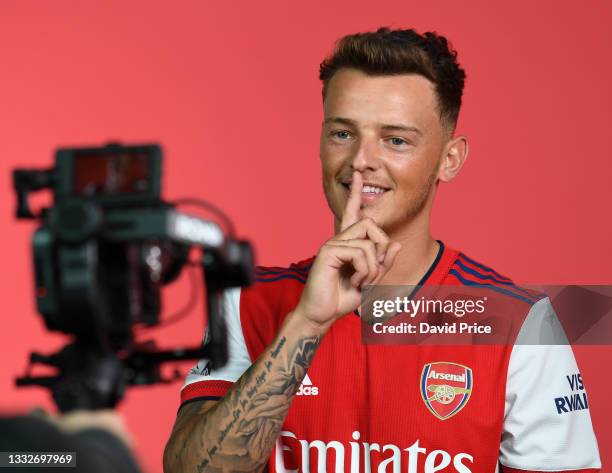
{"x":446,"y":388}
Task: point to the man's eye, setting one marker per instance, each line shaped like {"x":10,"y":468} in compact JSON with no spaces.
{"x":395,"y":141}
{"x":343,"y":135}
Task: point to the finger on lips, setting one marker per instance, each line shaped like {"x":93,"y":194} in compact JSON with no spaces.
{"x":375,"y":252}
{"x":353,"y":204}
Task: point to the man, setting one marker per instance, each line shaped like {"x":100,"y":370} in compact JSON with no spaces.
{"x":391,"y":101}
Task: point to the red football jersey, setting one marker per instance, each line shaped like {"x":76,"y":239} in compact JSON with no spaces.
{"x":414,"y":408}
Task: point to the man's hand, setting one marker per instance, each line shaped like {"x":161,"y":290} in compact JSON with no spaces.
{"x":361,"y":254}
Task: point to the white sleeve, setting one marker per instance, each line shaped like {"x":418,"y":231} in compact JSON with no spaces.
{"x":547,"y":425}
{"x":238,"y":361}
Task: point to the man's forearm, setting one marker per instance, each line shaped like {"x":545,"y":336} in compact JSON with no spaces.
{"x":238,"y":433}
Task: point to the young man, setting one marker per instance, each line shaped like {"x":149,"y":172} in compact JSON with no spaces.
{"x":301,"y":392}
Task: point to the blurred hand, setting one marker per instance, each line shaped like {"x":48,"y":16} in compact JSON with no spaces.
{"x":103,"y":419}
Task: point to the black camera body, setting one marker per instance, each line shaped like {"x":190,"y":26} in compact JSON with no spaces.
{"x":103,"y":251}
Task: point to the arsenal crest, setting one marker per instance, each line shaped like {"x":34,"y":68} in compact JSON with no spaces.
{"x":446,"y":388}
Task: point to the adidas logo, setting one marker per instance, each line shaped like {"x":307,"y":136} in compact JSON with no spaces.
{"x":306,"y":388}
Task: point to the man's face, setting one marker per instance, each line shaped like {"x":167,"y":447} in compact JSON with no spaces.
{"x":387,"y":128}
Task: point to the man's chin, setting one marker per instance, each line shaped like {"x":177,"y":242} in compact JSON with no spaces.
{"x":374,"y":214}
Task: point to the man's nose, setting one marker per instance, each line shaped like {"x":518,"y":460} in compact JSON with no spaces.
{"x":365,"y":155}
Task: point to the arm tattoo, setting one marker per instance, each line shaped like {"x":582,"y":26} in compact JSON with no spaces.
{"x":240,"y":430}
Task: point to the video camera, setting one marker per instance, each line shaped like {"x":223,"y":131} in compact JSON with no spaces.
{"x":101,"y":255}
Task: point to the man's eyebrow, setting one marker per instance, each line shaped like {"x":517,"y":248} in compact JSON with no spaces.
{"x":340,"y":120}
{"x":386,"y":127}
{"x":413,"y":129}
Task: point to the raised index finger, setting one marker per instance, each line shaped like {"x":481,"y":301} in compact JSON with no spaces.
{"x":353,"y":204}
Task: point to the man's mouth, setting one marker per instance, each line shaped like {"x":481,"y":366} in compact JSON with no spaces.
{"x":368,"y":189}
{"x":370,"y":192}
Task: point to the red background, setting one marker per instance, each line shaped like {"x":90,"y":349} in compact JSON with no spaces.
{"x":230,"y":90}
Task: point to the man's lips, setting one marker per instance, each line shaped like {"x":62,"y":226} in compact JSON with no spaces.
{"x":368,"y":187}
{"x":369,"y":191}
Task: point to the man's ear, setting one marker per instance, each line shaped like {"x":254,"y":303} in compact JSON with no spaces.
{"x":454,"y":155}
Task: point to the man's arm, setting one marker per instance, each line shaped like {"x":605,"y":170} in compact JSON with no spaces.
{"x":547,"y":425}
{"x":238,"y":432}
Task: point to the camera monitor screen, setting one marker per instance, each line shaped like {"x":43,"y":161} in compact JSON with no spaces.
{"x":126,"y":172}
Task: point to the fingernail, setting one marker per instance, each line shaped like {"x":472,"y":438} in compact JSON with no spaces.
{"x":381,"y":258}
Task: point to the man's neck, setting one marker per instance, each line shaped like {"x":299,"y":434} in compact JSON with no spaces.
{"x":418,"y":253}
